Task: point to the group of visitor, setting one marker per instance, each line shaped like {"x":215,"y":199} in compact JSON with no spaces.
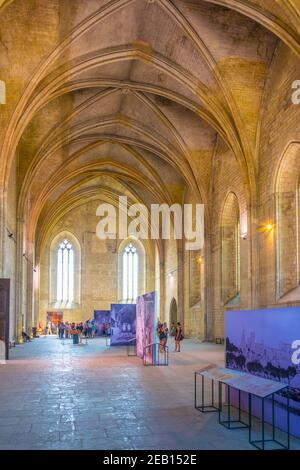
{"x":85,"y":329}
{"x":163,"y":334}
{"x":65,"y":330}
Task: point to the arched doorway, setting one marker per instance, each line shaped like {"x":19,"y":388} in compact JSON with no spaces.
{"x":173,"y":311}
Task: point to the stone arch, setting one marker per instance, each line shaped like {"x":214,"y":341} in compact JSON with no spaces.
{"x":230,"y":248}
{"x":287,"y":178}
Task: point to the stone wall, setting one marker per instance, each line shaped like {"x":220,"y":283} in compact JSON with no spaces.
{"x":99,"y":266}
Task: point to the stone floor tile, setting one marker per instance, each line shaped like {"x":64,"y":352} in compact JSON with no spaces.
{"x":59,"y":396}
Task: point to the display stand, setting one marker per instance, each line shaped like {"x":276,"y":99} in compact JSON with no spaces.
{"x":205,"y":408}
{"x":263,"y":389}
{"x":131,"y":347}
{"x":212,"y":375}
{"x":237,"y":382}
{"x":268,"y":442}
{"x":153,"y":356}
{"x":233,"y":415}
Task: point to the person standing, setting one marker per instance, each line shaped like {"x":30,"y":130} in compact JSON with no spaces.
{"x":161,"y":336}
{"x":178,"y":337}
{"x":173,"y":329}
{"x":94,"y":328}
{"x":166,"y":334}
{"x":80,"y":330}
{"x":48,"y":328}
{"x":60,"y":330}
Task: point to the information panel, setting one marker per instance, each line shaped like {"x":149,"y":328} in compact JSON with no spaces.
{"x":266,"y":343}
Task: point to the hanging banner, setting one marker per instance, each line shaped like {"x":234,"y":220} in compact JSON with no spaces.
{"x":4,"y":319}
{"x":102,"y":322}
{"x":146,"y":322}
{"x":123,"y":324}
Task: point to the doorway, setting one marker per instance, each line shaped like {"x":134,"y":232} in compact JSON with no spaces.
{"x":53,"y":320}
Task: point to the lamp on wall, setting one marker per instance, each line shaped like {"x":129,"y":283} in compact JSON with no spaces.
{"x":266,"y":227}
{"x":269,"y":227}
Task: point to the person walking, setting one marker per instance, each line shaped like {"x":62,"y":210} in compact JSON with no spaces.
{"x":178,"y":337}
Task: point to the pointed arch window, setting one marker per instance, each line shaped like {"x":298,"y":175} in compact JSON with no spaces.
{"x":65,"y":272}
{"x":130,"y":273}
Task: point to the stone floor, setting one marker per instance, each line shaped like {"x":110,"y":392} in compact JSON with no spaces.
{"x":55,"y":395}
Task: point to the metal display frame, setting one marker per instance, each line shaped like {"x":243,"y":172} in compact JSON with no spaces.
{"x":155,"y":355}
{"x":131,"y":348}
{"x":252,"y":386}
{"x":203,"y":407}
{"x":231,"y":423}
{"x":261,"y":443}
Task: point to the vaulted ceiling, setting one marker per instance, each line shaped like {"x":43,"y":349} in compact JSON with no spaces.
{"x":130,"y":96}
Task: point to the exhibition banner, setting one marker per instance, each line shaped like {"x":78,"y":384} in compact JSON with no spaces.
{"x":123,"y":324}
{"x":4,"y":319}
{"x":145,"y":322}
{"x":102,"y":320}
{"x":266,"y":343}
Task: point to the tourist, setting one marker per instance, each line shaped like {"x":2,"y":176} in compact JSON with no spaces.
{"x":61,"y":330}
{"x":74,"y":333}
{"x":54,"y":329}
{"x":166,"y":334}
{"x":68,"y":331}
{"x":161,"y":335}
{"x":25,"y":337}
{"x":173,"y":329}
{"x":88,"y":328}
{"x":178,"y":337}
{"x":85,"y":329}
{"x":48,"y":328}
{"x":80,"y":330}
{"x":93,"y":328}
